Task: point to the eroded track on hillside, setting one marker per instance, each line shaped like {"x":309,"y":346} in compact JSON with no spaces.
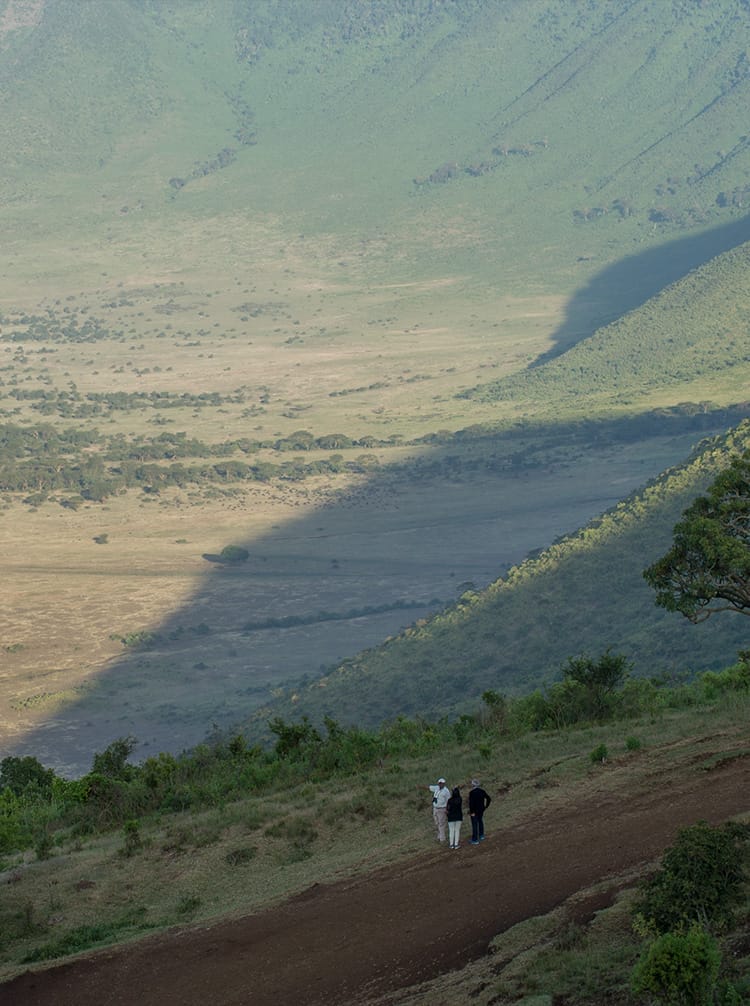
{"x":351,"y":941}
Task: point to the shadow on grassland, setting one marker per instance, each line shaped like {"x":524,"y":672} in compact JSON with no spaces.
{"x":349,"y":574}
{"x":630,"y":282}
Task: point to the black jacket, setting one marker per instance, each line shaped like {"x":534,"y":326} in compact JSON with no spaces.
{"x":455,"y":806}
{"x":479,"y":801}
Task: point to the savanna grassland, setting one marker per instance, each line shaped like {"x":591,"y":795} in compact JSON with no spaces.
{"x":333,"y":284}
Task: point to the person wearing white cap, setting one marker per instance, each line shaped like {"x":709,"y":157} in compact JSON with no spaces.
{"x":440,"y":796}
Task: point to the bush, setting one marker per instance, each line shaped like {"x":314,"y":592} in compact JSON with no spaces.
{"x":132,"y":837}
{"x":700,"y":880}
{"x":237,"y":857}
{"x":234,"y":553}
{"x":679,"y":968}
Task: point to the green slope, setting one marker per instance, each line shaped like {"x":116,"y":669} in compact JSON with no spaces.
{"x":697,"y":330}
{"x":583,"y":594}
{"x":542,"y":135}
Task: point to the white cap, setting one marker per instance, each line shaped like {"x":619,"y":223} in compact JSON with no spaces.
{"x":441,"y":779}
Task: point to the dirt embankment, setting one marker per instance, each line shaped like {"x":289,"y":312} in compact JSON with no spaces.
{"x":347,"y":942}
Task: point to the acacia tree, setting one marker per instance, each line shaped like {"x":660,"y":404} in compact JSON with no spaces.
{"x":708,"y":567}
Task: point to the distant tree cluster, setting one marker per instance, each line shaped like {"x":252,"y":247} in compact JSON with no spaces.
{"x":451,"y":170}
{"x":225,"y":157}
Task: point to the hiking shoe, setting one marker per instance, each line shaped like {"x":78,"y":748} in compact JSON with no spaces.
{"x":475,"y":841}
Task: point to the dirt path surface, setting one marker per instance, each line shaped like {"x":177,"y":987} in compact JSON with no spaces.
{"x":346,"y":942}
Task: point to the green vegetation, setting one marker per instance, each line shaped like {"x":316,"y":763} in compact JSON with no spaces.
{"x":694,"y":331}
{"x":700,"y":882}
{"x":333,"y":783}
{"x":264,"y":260}
{"x":509,"y":636}
{"x":708,"y":567}
{"x":680,"y":968}
{"x":116,"y":793}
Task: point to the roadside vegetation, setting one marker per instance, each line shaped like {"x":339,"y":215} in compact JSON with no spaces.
{"x":67,"y":845}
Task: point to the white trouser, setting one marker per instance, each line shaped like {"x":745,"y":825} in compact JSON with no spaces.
{"x":454,"y":832}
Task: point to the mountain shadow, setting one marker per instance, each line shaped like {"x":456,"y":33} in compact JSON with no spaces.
{"x":629,"y":283}
{"x":361,"y":570}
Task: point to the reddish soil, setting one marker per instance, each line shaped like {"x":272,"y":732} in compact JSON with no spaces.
{"x":347,"y":942}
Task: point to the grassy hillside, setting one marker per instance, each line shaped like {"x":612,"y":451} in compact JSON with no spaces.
{"x":533,"y":132}
{"x":209,"y":840}
{"x":695,"y":335}
{"x":583,"y":594}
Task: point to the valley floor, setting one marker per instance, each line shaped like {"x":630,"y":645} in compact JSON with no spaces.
{"x":366,"y":937}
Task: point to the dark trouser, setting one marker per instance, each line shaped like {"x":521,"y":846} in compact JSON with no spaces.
{"x":477,"y":827}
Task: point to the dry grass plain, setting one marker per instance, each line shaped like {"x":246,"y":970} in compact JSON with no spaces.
{"x":312,"y":352}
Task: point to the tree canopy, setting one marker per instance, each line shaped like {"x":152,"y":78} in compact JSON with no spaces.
{"x":708,"y":567}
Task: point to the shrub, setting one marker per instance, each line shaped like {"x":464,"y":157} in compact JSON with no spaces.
{"x":234,"y":553}
{"x":599,"y":755}
{"x":679,"y":968}
{"x":43,"y":844}
{"x":188,"y":904}
{"x":700,"y":880}
{"x":132,"y":836}
{"x":237,"y":857}
{"x":598,"y":679}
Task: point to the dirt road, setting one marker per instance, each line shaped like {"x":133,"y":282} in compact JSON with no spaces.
{"x":343,"y":943}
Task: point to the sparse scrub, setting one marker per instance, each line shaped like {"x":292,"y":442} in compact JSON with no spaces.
{"x":241,"y":855}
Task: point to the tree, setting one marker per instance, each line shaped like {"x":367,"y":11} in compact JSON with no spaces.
{"x":598,"y":678}
{"x":19,"y":774}
{"x":113,"y":761}
{"x":234,"y":554}
{"x":708,"y":567}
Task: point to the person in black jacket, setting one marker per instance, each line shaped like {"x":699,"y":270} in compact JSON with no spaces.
{"x":479,"y":801}
{"x":455,"y":817}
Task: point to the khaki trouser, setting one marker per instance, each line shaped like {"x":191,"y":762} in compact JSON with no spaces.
{"x":440,"y":817}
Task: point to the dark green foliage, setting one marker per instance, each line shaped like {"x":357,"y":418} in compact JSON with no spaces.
{"x":599,"y":678}
{"x":121,"y":794}
{"x":112,"y":763}
{"x":679,"y":969}
{"x":80,"y":938}
{"x":19,"y":774}
{"x":708,"y":567}
{"x":700,"y":881}
{"x":234,"y":554}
